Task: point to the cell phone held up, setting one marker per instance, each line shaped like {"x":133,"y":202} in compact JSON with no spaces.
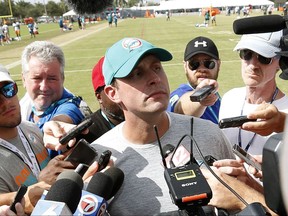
{"x":237,"y":121}
{"x":201,"y":93}
{"x":241,"y":153}
{"x":18,"y":197}
{"x":82,"y":153}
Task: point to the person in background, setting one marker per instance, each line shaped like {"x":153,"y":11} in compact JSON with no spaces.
{"x":260,"y":65}
{"x":43,"y":77}
{"x":16,"y":26}
{"x":136,"y":81}
{"x":109,"y":114}
{"x":31,"y":29}
{"x":201,"y":66}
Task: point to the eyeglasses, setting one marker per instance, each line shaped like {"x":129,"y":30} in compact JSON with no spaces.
{"x":9,"y":90}
{"x":246,"y":55}
{"x":209,"y":64}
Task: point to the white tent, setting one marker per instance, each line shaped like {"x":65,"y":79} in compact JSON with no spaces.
{"x":70,"y":13}
{"x":190,"y":4}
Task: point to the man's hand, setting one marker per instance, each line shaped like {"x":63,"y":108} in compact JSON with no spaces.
{"x":55,"y":166}
{"x":53,"y":131}
{"x":271,"y":120}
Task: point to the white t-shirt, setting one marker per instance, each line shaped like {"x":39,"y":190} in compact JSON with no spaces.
{"x":231,"y":105}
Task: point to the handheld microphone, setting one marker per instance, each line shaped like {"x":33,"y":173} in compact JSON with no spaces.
{"x":63,"y":196}
{"x":260,"y":24}
{"x":89,"y":6}
{"x":101,"y":188}
{"x":117,"y":177}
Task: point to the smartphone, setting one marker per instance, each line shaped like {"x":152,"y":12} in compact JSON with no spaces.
{"x":19,"y":195}
{"x":104,"y":159}
{"x":241,"y":153}
{"x":82,"y":153}
{"x":201,"y":93}
{"x":234,"y":121}
{"x":76,"y":131}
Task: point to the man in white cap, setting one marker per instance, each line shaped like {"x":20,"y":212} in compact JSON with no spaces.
{"x":260,"y":64}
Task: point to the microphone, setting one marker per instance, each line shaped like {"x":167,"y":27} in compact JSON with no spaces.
{"x":90,"y":6}
{"x":63,"y":196}
{"x":259,"y":24}
{"x":117,"y":177}
{"x":102,"y":187}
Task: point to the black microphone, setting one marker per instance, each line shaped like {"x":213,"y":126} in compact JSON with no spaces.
{"x":89,"y":6}
{"x":259,"y":24}
{"x":102,"y":187}
{"x":63,"y":196}
{"x":117,"y":177}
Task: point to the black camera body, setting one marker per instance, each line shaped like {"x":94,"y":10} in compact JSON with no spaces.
{"x":187,"y":185}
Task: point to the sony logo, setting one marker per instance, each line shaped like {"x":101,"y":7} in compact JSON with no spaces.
{"x":189,"y":184}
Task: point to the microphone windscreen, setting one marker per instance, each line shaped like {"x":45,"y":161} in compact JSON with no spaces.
{"x":101,"y":185}
{"x":259,"y":24}
{"x":90,"y":6}
{"x":67,"y":189}
{"x":117,"y":177}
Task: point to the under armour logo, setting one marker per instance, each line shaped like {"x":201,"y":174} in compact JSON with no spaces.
{"x":197,"y":43}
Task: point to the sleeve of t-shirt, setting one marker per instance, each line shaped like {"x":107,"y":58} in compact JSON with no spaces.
{"x":176,"y":94}
{"x":70,"y":109}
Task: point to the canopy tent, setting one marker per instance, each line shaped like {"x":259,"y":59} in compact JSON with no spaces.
{"x":70,"y":13}
{"x":190,"y":4}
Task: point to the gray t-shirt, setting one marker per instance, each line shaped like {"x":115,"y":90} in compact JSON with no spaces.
{"x":144,"y":191}
{"x":13,"y":170}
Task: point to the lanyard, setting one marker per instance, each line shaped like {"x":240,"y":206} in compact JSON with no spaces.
{"x":254,"y":135}
{"x":31,"y":162}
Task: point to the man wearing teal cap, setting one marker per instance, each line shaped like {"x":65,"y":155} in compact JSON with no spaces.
{"x":136,"y":81}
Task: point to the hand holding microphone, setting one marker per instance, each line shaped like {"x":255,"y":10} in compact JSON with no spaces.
{"x":60,"y":135}
{"x":205,"y":92}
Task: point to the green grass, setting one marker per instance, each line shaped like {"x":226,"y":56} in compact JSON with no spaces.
{"x":82,"y":54}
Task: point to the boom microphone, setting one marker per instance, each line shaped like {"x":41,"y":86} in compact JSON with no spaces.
{"x":90,"y":6}
{"x":260,"y":24}
{"x":63,"y":196}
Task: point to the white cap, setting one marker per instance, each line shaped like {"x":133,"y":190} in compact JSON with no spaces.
{"x":265,"y":44}
{"x":4,"y":74}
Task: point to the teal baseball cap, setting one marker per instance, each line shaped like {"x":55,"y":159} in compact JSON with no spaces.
{"x":124,"y":55}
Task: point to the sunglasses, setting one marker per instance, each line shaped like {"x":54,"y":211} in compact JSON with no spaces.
{"x":209,"y":64}
{"x":246,"y":55}
{"x":9,"y":90}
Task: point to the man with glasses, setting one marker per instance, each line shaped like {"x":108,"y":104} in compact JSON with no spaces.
{"x":23,"y":157}
{"x":259,"y":66}
{"x":201,"y":66}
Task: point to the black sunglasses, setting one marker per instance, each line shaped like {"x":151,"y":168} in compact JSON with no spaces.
{"x":209,"y":64}
{"x":246,"y":55}
{"x":9,"y":90}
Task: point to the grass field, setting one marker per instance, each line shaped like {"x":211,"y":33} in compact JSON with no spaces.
{"x":83,"y":49}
